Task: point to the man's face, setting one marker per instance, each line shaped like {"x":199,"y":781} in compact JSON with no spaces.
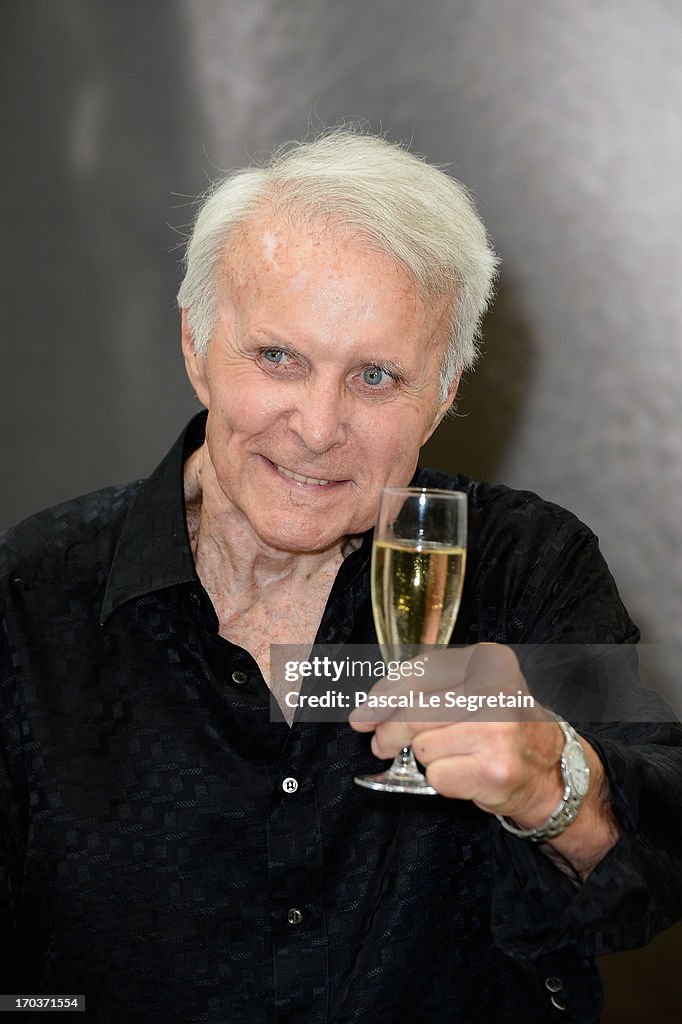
{"x":321,"y":382}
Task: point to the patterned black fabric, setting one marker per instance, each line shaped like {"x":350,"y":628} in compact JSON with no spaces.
{"x":152,"y":858}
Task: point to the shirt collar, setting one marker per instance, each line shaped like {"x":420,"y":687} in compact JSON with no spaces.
{"x":153,"y":550}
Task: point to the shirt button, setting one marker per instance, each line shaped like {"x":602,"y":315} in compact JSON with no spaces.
{"x":557,"y":1003}
{"x":194,"y":598}
{"x":554,"y":984}
{"x":294,"y":916}
{"x":239,"y":678}
{"x":290,"y":785}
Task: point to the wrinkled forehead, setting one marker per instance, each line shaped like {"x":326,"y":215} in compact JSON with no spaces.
{"x":287,"y":242}
{"x":317,"y":276}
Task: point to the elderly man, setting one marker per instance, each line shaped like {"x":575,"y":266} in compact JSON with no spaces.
{"x":171,"y":852}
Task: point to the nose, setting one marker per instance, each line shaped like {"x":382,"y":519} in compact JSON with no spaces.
{"x":318,"y":417}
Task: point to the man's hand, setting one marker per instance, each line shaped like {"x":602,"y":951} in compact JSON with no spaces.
{"x":508,"y":766}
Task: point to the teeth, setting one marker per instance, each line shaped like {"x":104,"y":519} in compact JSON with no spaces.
{"x":302,"y":479}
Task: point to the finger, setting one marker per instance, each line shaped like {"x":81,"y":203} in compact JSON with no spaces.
{"x":498,"y":765}
{"x":442,"y":670}
{"x":488,"y":775}
{"x":390,"y":737}
{"x":455,"y":777}
{"x":422,"y":709}
{"x":454,"y":740}
{"x":493,"y":667}
{"x":535,"y":743}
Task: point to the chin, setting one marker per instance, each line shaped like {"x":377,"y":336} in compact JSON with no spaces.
{"x":298,"y":539}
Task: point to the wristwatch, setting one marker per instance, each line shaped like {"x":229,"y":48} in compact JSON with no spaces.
{"x":575,"y":773}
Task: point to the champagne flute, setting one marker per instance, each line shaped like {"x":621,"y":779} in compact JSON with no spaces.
{"x":418,"y":561}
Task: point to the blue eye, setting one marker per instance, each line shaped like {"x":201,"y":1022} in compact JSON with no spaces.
{"x":375,"y":376}
{"x":274,"y":355}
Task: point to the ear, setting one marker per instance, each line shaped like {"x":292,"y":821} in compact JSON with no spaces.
{"x":195,"y":364}
{"x":442,"y":409}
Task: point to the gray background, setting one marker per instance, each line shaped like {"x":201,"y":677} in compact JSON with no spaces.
{"x":562,"y":117}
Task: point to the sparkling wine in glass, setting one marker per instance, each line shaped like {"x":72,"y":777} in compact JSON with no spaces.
{"x":418,"y":562}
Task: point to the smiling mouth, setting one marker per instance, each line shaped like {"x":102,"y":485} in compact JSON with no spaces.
{"x":303,"y":479}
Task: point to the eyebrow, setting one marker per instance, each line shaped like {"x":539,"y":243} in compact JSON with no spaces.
{"x":396,"y":369}
{"x":265,"y":337}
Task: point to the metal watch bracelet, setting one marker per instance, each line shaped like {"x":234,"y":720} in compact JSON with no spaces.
{"x":575,"y":773}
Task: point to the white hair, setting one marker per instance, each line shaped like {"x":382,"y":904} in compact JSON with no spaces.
{"x":408,"y":208}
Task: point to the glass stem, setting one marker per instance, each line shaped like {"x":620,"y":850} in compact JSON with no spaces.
{"x":404,"y":764}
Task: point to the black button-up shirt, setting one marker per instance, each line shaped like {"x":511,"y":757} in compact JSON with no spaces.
{"x":170,"y":852}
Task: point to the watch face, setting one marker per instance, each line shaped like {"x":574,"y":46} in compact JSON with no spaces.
{"x":578,"y":768}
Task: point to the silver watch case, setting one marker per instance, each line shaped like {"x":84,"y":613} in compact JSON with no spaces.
{"x":575,"y":773}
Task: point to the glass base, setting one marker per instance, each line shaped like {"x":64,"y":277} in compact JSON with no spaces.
{"x":402,"y":777}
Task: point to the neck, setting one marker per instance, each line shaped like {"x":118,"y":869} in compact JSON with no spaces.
{"x":229,"y":555}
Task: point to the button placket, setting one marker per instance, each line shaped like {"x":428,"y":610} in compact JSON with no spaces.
{"x":554,"y":984}
{"x":294,"y":843}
